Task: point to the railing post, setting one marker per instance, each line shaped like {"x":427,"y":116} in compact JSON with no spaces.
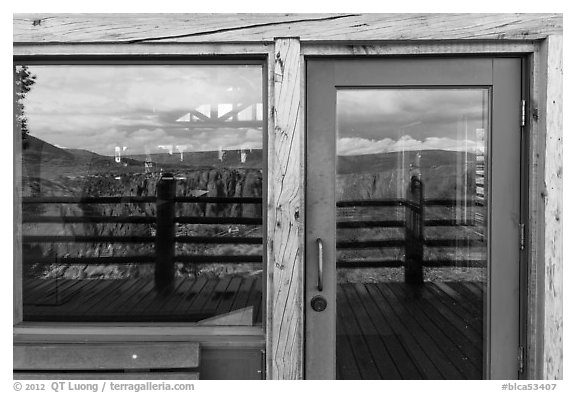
{"x":414,"y":252}
{"x":165,"y":231}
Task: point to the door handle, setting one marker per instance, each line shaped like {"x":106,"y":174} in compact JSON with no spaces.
{"x":320,"y":263}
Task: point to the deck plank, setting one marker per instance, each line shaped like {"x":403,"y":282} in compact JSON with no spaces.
{"x":346,"y":367}
{"x":62,"y":293}
{"x":255,"y":299}
{"x":34,"y":289}
{"x":417,"y":353}
{"x":473,"y":319}
{"x":44,"y":290}
{"x":178,"y":297}
{"x":361,"y":351}
{"x":406,"y":367}
{"x":197,"y":305}
{"x":241,"y":299}
{"x":84,"y":290}
{"x":102,"y":299}
{"x":229,"y":295}
{"x":216,"y":296}
{"x":163,"y":299}
{"x":473,"y":307}
{"x":420,"y":327}
{"x":450,"y":320}
{"x":122,"y":300}
{"x":384,"y":362}
{"x":188,"y":296}
{"x":141,"y":299}
{"x":473,"y":288}
{"x":125,"y":303}
{"x":466,"y":293}
{"x":463,"y":354}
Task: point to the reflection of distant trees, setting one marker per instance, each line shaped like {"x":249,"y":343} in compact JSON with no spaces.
{"x":23,"y":82}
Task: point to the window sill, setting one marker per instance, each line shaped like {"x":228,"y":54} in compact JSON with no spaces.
{"x":207,"y":336}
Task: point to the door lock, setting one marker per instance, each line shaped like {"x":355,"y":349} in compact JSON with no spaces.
{"x":318,"y":303}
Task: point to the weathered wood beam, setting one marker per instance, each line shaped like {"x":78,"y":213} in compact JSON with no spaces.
{"x":160,"y":49}
{"x":435,"y":47}
{"x":285,"y":240}
{"x":553,"y":174}
{"x":138,"y":28}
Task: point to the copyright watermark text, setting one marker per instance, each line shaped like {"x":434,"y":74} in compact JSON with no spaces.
{"x":528,"y":386}
{"x":101,"y":386}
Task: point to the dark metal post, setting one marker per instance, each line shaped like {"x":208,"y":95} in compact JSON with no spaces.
{"x":165,"y":231}
{"x":413,"y":273}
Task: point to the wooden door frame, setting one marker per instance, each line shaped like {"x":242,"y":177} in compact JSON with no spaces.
{"x":542,"y":165}
{"x":542,"y":48}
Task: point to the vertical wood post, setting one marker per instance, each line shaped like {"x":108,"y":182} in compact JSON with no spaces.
{"x":285,"y":237}
{"x":165,"y":231}
{"x":552,"y":117}
{"x":414,"y":254}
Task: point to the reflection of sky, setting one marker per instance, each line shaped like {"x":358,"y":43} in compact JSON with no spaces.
{"x":100,"y":107}
{"x":384,"y":120}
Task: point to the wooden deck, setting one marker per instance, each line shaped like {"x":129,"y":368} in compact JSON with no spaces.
{"x":190,"y":300}
{"x":398,"y":331}
{"x":384,"y":330}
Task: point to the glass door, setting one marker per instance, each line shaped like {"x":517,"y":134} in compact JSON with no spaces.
{"x":412,"y":218}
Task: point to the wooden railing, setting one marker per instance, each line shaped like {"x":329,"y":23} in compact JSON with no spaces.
{"x":165,"y":240}
{"x":414,"y":240}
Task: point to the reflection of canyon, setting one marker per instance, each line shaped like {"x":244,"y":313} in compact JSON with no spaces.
{"x":446,"y":174}
{"x":372,"y":243}
{"x":49,"y":171}
{"x":52,"y":171}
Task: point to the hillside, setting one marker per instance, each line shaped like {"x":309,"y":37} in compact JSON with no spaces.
{"x":44,"y":160}
{"x":41,"y":159}
{"x":205,"y":159}
{"x":382,"y":176}
{"x":373,"y":163}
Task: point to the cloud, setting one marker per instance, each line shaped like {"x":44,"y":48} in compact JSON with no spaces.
{"x":362,"y":146}
{"x":422,"y":113}
{"x":99,"y":107}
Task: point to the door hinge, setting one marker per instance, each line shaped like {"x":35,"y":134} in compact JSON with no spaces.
{"x":521,"y":359}
{"x":522,"y":236}
{"x":523,"y":114}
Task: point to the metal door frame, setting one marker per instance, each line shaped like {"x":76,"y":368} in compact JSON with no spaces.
{"x":331,"y":73}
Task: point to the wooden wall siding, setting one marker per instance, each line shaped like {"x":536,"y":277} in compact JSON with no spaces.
{"x":285,"y":216}
{"x":553,"y":321}
{"x":330,"y":34}
{"x":63,"y":28}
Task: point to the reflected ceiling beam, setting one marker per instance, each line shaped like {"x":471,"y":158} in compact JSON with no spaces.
{"x":216,"y":124}
{"x":234,"y":112}
{"x":195,"y":118}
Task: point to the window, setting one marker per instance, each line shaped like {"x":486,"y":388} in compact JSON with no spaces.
{"x":142,"y":190}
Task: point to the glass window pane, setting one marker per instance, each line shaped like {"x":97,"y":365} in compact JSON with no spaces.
{"x":142,"y":192}
{"x":411,"y":233}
